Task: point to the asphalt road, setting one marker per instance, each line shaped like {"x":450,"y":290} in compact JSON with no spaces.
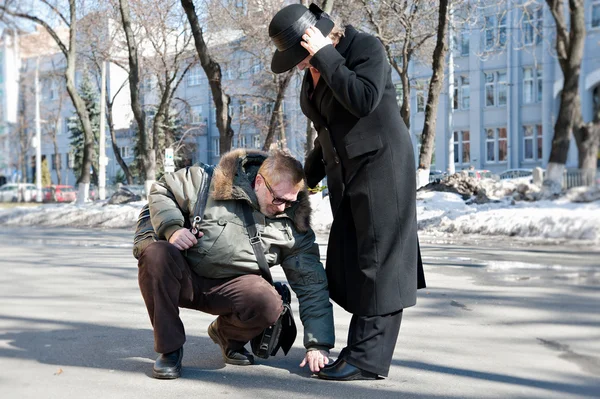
{"x":500,"y":319}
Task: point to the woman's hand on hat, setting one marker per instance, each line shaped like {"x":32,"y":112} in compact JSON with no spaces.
{"x":313,"y":40}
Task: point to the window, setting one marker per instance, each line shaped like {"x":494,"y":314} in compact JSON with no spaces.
{"x":194,"y":76}
{"x":147,"y":84}
{"x":125,"y":152}
{"x":496,"y":143}
{"x":532,"y":85}
{"x":462,"y":147}
{"x":532,"y":142}
{"x":216,"y":146}
{"x":196,"y":114}
{"x":532,"y":25}
{"x":242,"y":141}
{"x":495,"y":88}
{"x":455,"y":94}
{"x":256,"y":141}
{"x":70,"y":160}
{"x":462,"y":94}
{"x":502,"y":88}
{"x":540,"y":84}
{"x":56,"y":159}
{"x":242,"y":111}
{"x":399,"y":94}
{"x":502,"y":144}
{"x":256,"y":68}
{"x":465,"y":92}
{"x":230,"y":110}
{"x":268,"y":109}
{"x":53,"y":89}
{"x":495,"y":29}
{"x":255,"y":109}
{"x":502,"y":31}
{"x":596,"y":14}
{"x":489,"y":89}
{"x":490,"y":32}
{"x":465,"y":35}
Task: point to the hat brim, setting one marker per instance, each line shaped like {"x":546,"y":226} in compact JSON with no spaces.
{"x":285,"y":60}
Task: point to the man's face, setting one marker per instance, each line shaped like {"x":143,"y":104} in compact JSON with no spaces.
{"x":305,"y":63}
{"x":273,"y":199}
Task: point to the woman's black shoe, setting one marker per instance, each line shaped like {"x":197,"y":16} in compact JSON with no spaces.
{"x":340,"y":370}
{"x":168,"y":365}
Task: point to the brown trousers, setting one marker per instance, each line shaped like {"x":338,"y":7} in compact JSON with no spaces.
{"x":246,"y":305}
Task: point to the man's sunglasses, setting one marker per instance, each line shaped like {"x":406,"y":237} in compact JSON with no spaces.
{"x":276,"y":200}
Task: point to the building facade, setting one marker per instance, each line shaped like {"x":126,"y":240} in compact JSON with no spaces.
{"x":502,"y":92}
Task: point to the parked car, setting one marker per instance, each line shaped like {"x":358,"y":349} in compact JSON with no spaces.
{"x":59,"y":193}
{"x":481,"y":174}
{"x":14,"y":192}
{"x":435,"y":176}
{"x":515,"y":173}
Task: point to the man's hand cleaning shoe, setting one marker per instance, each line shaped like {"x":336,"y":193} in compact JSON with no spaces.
{"x":168,"y":365}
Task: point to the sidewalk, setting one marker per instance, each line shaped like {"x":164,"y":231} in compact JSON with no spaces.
{"x":73,"y":325}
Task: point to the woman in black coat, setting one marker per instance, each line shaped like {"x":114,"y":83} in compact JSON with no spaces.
{"x":364,"y":148}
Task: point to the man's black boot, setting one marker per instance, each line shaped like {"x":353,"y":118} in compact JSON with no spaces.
{"x":168,"y":365}
{"x":239,"y":357}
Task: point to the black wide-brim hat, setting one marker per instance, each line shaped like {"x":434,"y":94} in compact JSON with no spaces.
{"x":286,"y":30}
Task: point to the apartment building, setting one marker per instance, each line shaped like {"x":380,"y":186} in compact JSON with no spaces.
{"x":499,"y":108}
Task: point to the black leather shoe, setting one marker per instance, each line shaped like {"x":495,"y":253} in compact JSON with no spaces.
{"x":340,"y":370}
{"x":168,"y":365}
{"x":239,"y":357}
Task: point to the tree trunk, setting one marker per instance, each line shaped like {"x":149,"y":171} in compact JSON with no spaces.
{"x":570,"y":41}
{"x":283,"y":83}
{"x":213,"y":72}
{"x":57,"y":163}
{"x":435,"y":86}
{"x":405,"y":106}
{"x":327,"y":6}
{"x":145,"y":145}
{"x":588,"y":140}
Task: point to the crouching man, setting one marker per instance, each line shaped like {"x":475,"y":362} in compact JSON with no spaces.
{"x":216,"y":271}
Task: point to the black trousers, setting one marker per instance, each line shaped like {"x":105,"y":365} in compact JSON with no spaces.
{"x":246,"y":305}
{"x":371,"y":342}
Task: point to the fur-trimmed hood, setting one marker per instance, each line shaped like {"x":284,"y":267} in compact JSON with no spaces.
{"x":234,"y":176}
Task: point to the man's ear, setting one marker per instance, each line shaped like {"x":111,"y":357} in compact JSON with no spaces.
{"x":256,"y":181}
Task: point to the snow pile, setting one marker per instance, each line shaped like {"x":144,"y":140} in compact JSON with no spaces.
{"x":93,"y":214}
{"x":443,"y":213}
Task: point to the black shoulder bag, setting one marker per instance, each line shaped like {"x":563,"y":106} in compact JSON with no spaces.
{"x":282,"y":334}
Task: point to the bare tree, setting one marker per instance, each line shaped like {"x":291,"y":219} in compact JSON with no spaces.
{"x":214,"y":75}
{"x":146,"y":154}
{"x":250,"y":56}
{"x":102,"y":45}
{"x":570,"y":40}
{"x":405,"y":28}
{"x":70,"y":18}
{"x":53,"y":115}
{"x":435,"y":87}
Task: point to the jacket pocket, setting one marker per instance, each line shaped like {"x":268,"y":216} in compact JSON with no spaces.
{"x":364,"y":146}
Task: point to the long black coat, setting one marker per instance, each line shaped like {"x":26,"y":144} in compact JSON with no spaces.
{"x":363,"y":146}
